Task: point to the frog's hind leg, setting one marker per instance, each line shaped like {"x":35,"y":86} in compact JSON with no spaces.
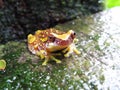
{"x":47,"y":58}
{"x":45,"y":61}
{"x":56,"y":60}
{"x":43,"y":55}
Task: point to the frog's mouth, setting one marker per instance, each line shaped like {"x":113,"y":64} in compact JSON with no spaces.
{"x":64,"y":36}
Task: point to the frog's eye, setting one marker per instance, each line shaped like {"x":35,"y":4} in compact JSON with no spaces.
{"x":52,"y":39}
{"x":74,"y":33}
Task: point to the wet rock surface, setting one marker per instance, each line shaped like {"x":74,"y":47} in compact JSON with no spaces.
{"x":96,"y":68}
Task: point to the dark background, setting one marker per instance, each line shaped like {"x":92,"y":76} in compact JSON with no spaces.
{"x":18,"y":18}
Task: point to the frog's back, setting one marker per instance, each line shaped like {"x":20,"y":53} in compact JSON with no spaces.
{"x":43,"y":35}
{"x":40,"y":39}
{"x":47,"y":32}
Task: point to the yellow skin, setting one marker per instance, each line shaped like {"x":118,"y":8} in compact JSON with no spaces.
{"x":45,"y":43}
{"x":2,"y":64}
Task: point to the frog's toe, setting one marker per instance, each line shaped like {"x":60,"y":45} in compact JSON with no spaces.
{"x":44,"y":64}
{"x":66,"y":50}
{"x":56,"y":60}
{"x":76,"y":51}
{"x":67,"y":55}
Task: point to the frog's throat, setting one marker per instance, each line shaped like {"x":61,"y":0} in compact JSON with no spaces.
{"x":63,"y":36}
{"x":52,"y":47}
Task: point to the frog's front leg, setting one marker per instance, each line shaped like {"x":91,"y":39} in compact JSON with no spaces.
{"x":47,"y":58}
{"x":67,"y":52}
{"x":70,"y":49}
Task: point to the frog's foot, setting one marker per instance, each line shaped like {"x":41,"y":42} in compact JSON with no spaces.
{"x":45,"y":62}
{"x":56,"y":60}
{"x":69,"y":50}
{"x":67,"y":54}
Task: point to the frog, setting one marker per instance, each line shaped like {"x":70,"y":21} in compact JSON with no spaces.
{"x":48,"y":43}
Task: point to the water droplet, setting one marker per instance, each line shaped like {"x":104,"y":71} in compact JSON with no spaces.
{"x":71,"y":88}
{"x":14,"y":77}
{"x":75,"y":73}
{"x":48,"y":77}
{"x":44,"y":85}
{"x":9,"y":81}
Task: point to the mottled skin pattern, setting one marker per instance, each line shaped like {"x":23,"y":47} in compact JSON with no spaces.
{"x":44,"y":42}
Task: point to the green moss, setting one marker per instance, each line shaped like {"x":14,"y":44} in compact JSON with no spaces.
{"x":22,"y":76}
{"x":22,"y":71}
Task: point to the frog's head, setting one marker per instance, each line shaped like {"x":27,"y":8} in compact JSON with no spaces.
{"x":59,"y":42}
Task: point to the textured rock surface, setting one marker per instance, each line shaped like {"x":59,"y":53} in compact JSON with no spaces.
{"x":96,"y":68}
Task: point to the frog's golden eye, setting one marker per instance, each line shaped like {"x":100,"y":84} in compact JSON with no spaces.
{"x":52,"y":39}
